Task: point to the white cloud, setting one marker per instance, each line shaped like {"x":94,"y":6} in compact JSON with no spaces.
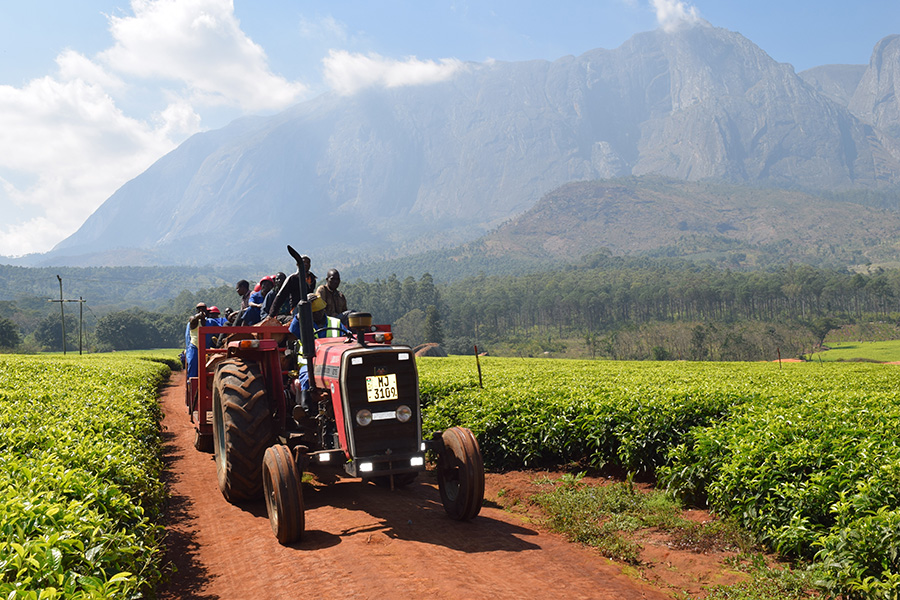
{"x":348,"y":73}
{"x":73,"y":147}
{"x":66,"y":144}
{"x":74,"y":66}
{"x":672,"y":14}
{"x":199,"y":43}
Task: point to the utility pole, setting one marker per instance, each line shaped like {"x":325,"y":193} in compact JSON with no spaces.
{"x":62,"y":316}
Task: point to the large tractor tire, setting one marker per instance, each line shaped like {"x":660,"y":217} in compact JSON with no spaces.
{"x":242,"y":429}
{"x":460,"y":473}
{"x":284,"y":498}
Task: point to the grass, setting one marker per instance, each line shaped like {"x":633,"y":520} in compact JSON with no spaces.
{"x":602,"y":516}
{"x":605,"y":517}
{"x":886,"y":351}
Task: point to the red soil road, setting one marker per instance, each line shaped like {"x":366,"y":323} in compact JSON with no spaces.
{"x":361,"y":542}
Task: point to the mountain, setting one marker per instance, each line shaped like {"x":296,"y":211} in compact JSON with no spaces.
{"x":877,"y":97}
{"x":391,"y":172}
{"x":663,"y":217}
{"x":838,"y":82}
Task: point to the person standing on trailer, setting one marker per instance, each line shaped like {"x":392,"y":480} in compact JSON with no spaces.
{"x":194,"y":337}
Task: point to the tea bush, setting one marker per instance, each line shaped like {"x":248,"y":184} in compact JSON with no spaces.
{"x":803,"y":455}
{"x":79,"y":476}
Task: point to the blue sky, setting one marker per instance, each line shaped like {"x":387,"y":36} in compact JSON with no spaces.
{"x":92,"y":92}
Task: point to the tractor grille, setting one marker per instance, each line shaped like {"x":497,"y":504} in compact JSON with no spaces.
{"x":382,"y":435}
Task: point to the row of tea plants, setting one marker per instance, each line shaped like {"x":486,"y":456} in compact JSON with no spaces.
{"x":805,"y":456}
{"x":80,"y":493}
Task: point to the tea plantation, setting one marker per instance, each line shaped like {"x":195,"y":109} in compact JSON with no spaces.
{"x":804,"y":455}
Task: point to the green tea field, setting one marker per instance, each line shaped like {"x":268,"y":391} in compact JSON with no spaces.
{"x":802,"y":455}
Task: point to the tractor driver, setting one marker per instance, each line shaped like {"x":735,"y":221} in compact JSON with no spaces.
{"x":323,"y":326}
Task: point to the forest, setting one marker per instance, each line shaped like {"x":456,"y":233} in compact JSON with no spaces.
{"x":605,"y":307}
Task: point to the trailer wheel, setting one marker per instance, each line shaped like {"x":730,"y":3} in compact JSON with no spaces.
{"x":242,"y":428}
{"x":460,"y":473}
{"x":284,"y":498}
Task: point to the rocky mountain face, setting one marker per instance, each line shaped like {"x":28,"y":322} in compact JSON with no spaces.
{"x":876,"y":99}
{"x":393,"y":171}
{"x":838,"y":82}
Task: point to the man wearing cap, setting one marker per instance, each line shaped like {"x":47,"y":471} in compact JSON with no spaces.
{"x":215,"y":319}
{"x":193,"y":338}
{"x":323,"y":326}
{"x":253,"y":314}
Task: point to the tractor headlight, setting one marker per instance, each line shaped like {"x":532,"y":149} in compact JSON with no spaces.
{"x":404,"y":413}
{"x":364,"y":417}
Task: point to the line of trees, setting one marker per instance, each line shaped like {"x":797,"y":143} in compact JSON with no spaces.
{"x":617,"y":307}
{"x":610,"y":302}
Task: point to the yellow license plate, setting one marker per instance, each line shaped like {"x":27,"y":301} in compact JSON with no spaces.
{"x":381,"y":387}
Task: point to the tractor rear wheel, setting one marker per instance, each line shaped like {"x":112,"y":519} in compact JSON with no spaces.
{"x":460,"y":473}
{"x":284,"y":498}
{"x":242,"y":428}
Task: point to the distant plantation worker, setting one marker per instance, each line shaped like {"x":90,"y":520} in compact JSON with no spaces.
{"x":194,"y":337}
{"x":254,"y":314}
{"x":335,"y":302}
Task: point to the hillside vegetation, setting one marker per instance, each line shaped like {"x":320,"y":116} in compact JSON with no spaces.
{"x":738,"y":226}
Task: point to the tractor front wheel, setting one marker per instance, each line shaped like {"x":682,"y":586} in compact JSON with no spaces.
{"x":242,"y":428}
{"x":284,"y":498}
{"x":460,"y":474}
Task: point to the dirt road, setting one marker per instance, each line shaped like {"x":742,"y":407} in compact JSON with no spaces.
{"x":362,"y":542}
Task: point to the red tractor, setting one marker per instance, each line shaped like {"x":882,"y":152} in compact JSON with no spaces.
{"x":360,"y":414}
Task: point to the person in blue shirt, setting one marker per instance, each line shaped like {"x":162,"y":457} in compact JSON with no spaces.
{"x":254,"y":313}
{"x":214,"y":319}
{"x":192,"y":338}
